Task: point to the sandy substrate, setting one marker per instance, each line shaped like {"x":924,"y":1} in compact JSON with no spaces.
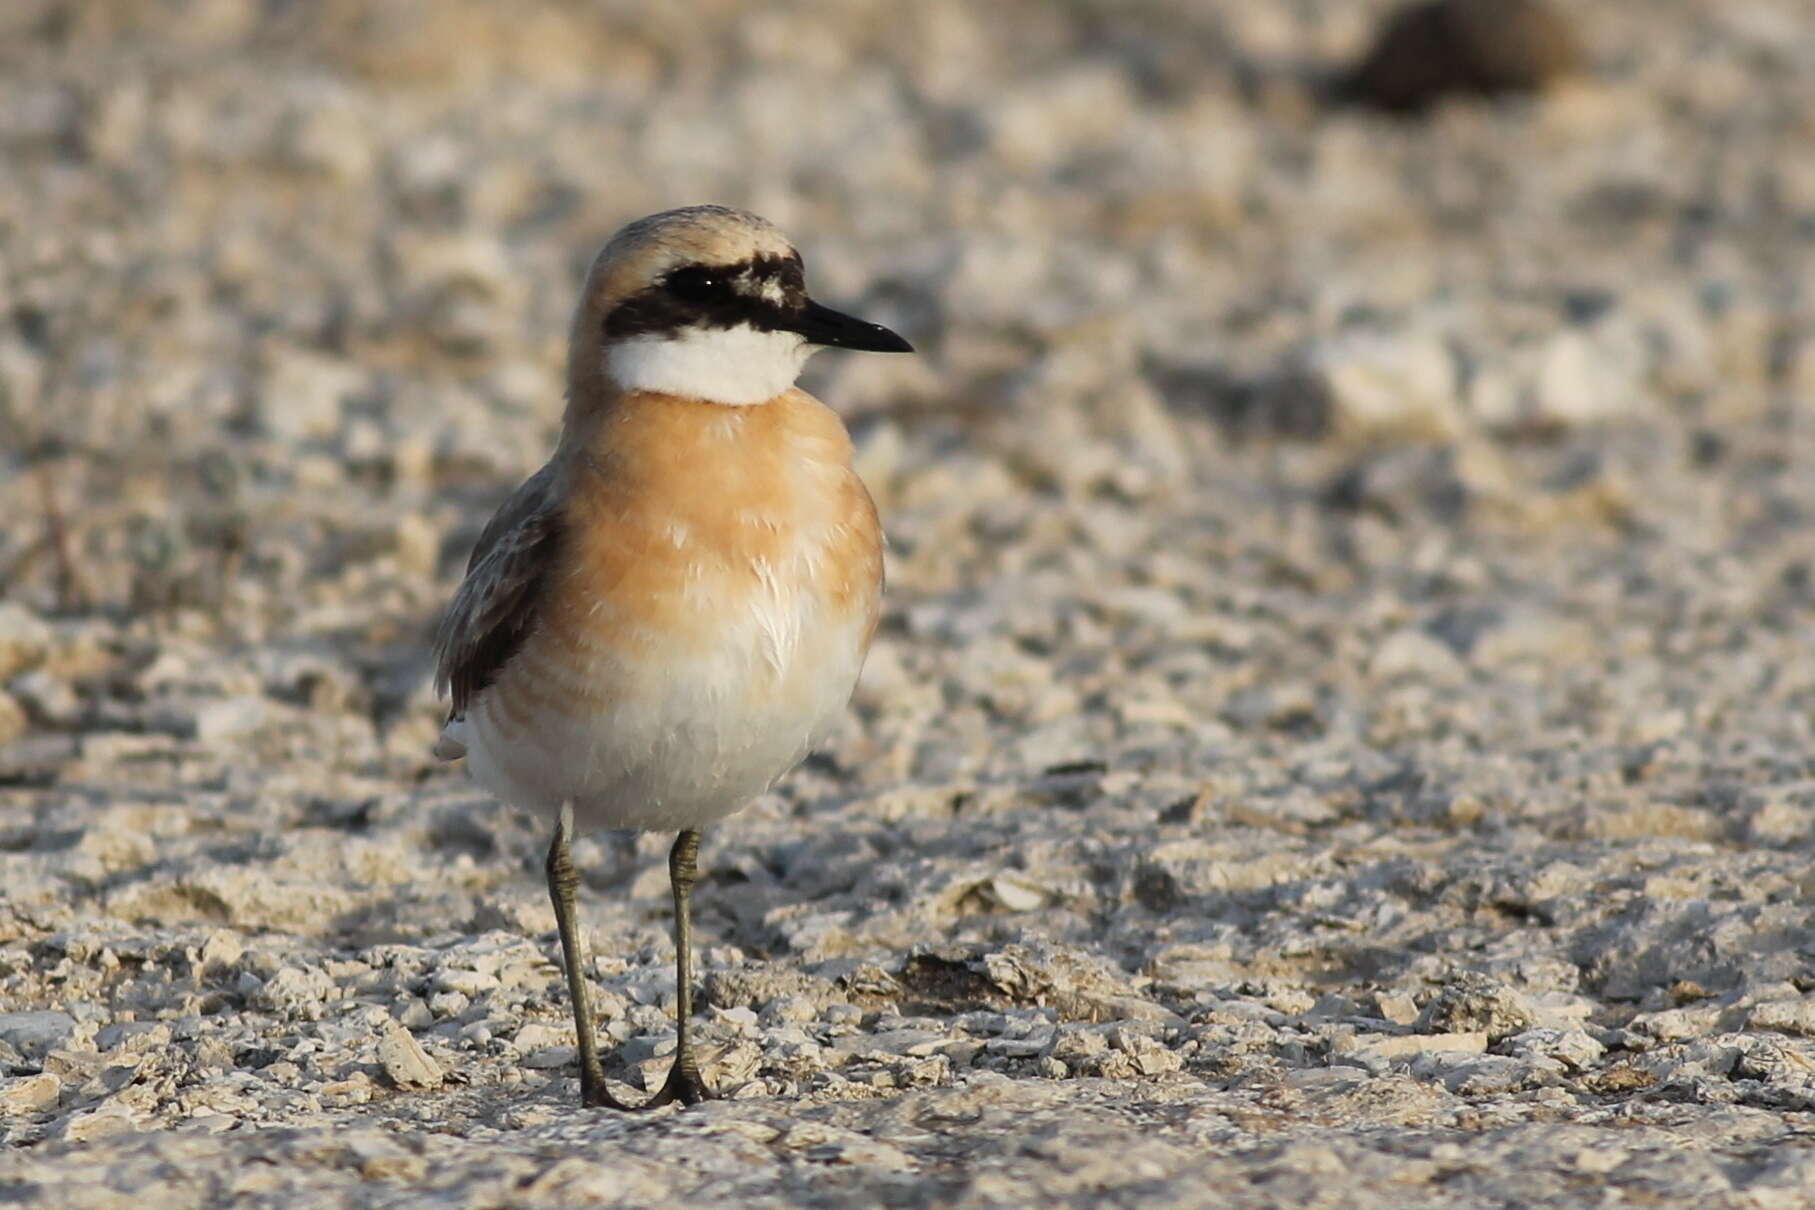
{"x":1340,"y":734}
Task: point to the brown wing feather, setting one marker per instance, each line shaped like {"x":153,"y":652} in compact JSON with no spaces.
{"x":495,"y":608}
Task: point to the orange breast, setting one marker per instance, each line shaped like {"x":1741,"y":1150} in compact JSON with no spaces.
{"x":684,"y":517}
{"x":716,"y":588}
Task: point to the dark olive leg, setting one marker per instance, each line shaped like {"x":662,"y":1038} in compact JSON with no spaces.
{"x":562,"y":882}
{"x":683,"y":1083}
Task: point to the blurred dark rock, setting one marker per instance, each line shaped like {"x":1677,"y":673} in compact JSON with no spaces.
{"x":1425,"y":52}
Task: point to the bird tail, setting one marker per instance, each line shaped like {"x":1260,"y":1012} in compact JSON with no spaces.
{"x":451,"y":744}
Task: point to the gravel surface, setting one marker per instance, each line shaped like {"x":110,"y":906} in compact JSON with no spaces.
{"x":1340,"y":734}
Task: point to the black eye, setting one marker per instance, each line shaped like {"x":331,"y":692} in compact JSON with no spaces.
{"x":694,"y":284}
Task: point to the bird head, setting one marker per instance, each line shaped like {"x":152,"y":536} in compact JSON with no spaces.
{"x":710,"y":303}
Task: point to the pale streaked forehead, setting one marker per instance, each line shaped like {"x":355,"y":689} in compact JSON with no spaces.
{"x":709,"y":233}
{"x":704,"y":235}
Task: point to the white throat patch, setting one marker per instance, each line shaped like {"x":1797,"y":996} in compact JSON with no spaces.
{"x":737,"y":366}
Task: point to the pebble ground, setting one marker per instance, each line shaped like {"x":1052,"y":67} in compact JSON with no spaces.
{"x":1340,"y":734}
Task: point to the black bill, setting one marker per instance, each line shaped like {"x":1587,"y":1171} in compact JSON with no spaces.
{"x":824,"y":326}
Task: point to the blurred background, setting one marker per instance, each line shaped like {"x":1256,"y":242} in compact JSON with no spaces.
{"x":1256,"y":342}
{"x":1351,"y":604}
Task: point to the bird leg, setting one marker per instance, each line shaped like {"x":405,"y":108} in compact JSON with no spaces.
{"x":562,"y":882}
{"x":683,"y":1083}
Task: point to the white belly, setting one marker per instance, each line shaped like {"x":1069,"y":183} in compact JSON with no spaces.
{"x":668,"y":738}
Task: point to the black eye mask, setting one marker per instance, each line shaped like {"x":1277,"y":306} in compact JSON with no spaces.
{"x":716,"y":296}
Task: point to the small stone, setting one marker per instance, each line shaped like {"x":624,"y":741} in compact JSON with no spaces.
{"x":1427,"y":51}
{"x":1283,"y":705}
{"x":1490,"y":1074}
{"x":535,"y":1036}
{"x":1150,"y":1057}
{"x":302,"y":392}
{"x":1796,"y":1017}
{"x":209,"y":1123}
{"x":47,"y":697}
{"x":356,"y":1089}
{"x":1396,"y":1007}
{"x":1414,"y":654}
{"x":418,"y":546}
{"x":102,"y":1123}
{"x":1408,"y":1046}
{"x":29,"y":1094}
{"x":1587,"y":376}
{"x":448,"y":1004}
{"x":1475,"y":1003}
{"x":34,"y":1034}
{"x":467,"y":982}
{"x":13,"y":720}
{"x":550,"y":1057}
{"x":24,"y":639}
{"x":1073,"y":1044}
{"x":1389,"y":384}
{"x":1676,"y":1024}
{"x":405,"y":1062}
{"x":219,"y":721}
{"x":1015,"y":893}
{"x":222,"y":951}
{"x":1111,"y":1065}
{"x":132,"y":1037}
{"x":1574,"y":1048}
{"x":842,"y":1014}
{"x":294,"y":992}
{"x":1774,"y":823}
{"x":416,"y":1015}
{"x":785,"y":1009}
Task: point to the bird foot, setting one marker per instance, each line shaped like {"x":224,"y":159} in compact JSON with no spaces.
{"x":593,"y":1094}
{"x":681,"y":1085}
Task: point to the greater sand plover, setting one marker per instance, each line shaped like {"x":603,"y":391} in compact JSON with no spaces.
{"x":665,"y":618}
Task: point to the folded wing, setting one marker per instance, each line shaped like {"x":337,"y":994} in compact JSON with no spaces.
{"x":495,"y":608}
